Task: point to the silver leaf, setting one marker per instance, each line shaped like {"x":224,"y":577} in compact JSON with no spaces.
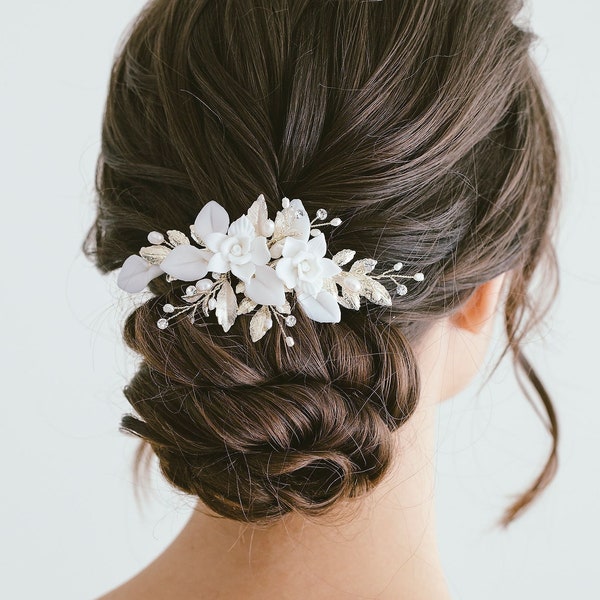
{"x":362,"y":266}
{"x":195,"y":237}
{"x":375,"y":292}
{"x":349,"y":299}
{"x":245,"y":306}
{"x":177,"y":238}
{"x":155,"y":254}
{"x":240,"y":287}
{"x":284,"y":308}
{"x":343,"y":256}
{"x":330,"y":286}
{"x":226,"y":308}
{"x":259,"y":324}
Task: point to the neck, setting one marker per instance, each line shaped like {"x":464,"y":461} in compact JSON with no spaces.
{"x":386,"y":549}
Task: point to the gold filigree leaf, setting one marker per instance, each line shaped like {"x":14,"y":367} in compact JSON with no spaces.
{"x":343,"y":256}
{"x":177,"y":238}
{"x":245,"y":306}
{"x":375,"y":292}
{"x":226,"y":308}
{"x":154,"y":254}
{"x":260,"y":323}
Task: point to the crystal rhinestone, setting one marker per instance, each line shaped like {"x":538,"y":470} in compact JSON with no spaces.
{"x":155,"y":237}
{"x":168,"y":308}
{"x":335,"y":222}
{"x":204,"y":285}
{"x":299,"y":213}
{"x":190,"y":290}
{"x":398,"y":266}
{"x":289,"y":340}
{"x":321,"y":214}
{"x":402,"y":289}
{"x":418,"y":276}
{"x":285,"y":202}
{"x":212,"y":303}
{"x":290,"y":320}
{"x":162,"y":323}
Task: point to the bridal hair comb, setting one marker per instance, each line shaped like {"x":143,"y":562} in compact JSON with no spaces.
{"x":269,"y":259}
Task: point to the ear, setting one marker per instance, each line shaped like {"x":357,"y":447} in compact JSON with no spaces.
{"x":480,"y":307}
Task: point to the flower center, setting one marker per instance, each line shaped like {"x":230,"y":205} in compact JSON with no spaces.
{"x":236,"y":250}
{"x":305,"y":266}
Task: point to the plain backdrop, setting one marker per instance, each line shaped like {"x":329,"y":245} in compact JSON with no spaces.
{"x":70,"y":526}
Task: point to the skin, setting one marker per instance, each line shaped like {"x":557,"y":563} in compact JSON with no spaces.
{"x":381,"y":546}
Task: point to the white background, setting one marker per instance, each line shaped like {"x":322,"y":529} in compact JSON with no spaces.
{"x":70,"y":527}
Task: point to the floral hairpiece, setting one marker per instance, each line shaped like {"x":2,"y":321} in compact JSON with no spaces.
{"x":269,"y":258}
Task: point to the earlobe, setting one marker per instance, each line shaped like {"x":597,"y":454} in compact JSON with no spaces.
{"x":480,"y":307}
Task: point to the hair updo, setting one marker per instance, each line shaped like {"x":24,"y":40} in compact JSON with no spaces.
{"x":423,"y":125}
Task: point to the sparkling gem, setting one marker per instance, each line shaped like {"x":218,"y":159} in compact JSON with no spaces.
{"x":204,"y":285}
{"x":335,"y":222}
{"x":289,"y":341}
{"x":418,"y":276}
{"x":299,"y":213}
{"x":285,"y":202}
{"x":290,"y":320}
{"x":398,"y":266}
{"x":155,"y":237}
{"x":190,"y":290}
{"x":162,"y":323}
{"x":168,"y":308}
{"x":212,"y":303}
{"x":321,"y":214}
{"x":402,"y":289}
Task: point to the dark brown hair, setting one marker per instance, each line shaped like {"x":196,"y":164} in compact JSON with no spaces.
{"x":422,"y":124}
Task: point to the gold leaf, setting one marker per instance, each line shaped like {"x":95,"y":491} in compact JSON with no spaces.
{"x":343,"y":256}
{"x":375,"y":292}
{"x":177,"y":238}
{"x":154,"y":254}
{"x":245,"y":306}
{"x":226,"y":308}
{"x":259,"y":324}
{"x":362,"y":266}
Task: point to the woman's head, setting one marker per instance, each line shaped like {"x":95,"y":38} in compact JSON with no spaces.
{"x":423,"y":125}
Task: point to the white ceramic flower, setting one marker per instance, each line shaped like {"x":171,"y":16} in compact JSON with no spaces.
{"x":136,"y":273}
{"x":304,"y":268}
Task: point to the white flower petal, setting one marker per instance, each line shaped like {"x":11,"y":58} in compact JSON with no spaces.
{"x":242,"y":227}
{"x":324,"y":308}
{"x":317,"y":245}
{"x":286,"y":271}
{"x":187,"y":263}
{"x":136,"y":273}
{"x":292,"y":246}
{"x":243,"y":271}
{"x":212,"y":217}
{"x":218,"y":263}
{"x":329,"y":268}
{"x":301,"y":226}
{"x":260,"y":251}
{"x":214,"y":240}
{"x":265,"y":287}
{"x":259,"y":216}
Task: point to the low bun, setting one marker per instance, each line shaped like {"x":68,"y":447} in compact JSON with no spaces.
{"x":256,"y":429}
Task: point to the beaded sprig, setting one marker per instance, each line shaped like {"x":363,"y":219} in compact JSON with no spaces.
{"x":270,"y":258}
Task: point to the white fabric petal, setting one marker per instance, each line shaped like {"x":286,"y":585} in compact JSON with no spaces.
{"x":242,"y":227}
{"x":265,"y":287}
{"x":292,"y":246}
{"x":286,"y":271}
{"x":186,"y":262}
{"x":212,"y":217}
{"x":136,"y":273}
{"x":260,"y":251}
{"x":317,"y":245}
{"x":218,"y":263}
{"x":214,"y":240}
{"x":243,"y":271}
{"x":324,"y":308}
{"x":329,"y":268}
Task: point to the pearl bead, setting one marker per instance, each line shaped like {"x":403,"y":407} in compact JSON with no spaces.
{"x":215,"y":275}
{"x":269,"y":228}
{"x":162,"y":323}
{"x":204,"y":285}
{"x":402,"y":289}
{"x":418,"y":276}
{"x":190,"y":290}
{"x":290,"y":320}
{"x":398,"y":266}
{"x":285,"y":202}
{"x":352,"y":283}
{"x":315,"y":232}
{"x":154,"y":237}
{"x":269,"y":323}
{"x":289,"y":341}
{"x":335,"y":222}
{"x":168,"y":308}
{"x":321,"y":214}
{"x":212,"y":303}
